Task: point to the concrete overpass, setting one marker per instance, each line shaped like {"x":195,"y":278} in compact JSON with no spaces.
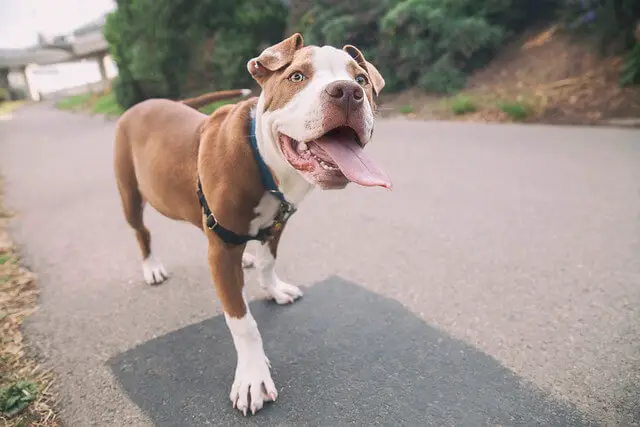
{"x":86,"y":42}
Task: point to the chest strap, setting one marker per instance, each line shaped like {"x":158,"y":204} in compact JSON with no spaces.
{"x":285,"y":210}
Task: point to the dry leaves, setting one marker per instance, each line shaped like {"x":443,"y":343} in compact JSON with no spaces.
{"x":18,"y":299}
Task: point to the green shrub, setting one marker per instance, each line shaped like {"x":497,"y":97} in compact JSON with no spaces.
{"x":168,"y":49}
{"x":107,"y":104}
{"x":463,"y":105}
{"x":210,"y":108}
{"x":631,"y":68}
{"x":516,"y":110}
{"x":611,"y":24}
{"x":74,"y":102}
{"x":15,"y":398}
{"x":432,"y":44}
{"x":406,"y":109}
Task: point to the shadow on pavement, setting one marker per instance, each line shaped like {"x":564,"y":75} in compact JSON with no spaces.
{"x":341,"y":355}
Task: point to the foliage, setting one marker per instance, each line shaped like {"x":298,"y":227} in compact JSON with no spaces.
{"x":516,"y":110}
{"x":99,"y":104}
{"x":163,"y":48}
{"x":611,"y":23}
{"x":210,"y":108}
{"x":432,"y":44}
{"x":463,"y":105}
{"x":107,"y":105}
{"x":15,"y":398}
{"x":74,"y":102}
{"x":631,"y":69}
{"x":406,"y":109}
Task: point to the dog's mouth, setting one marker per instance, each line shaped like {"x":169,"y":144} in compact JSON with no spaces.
{"x":334,"y":159}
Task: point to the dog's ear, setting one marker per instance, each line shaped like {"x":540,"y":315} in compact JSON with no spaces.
{"x":374,"y":74}
{"x":275,"y":57}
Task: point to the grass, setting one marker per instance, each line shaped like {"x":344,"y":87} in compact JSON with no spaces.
{"x":463,"y":105}
{"x":517,"y":111}
{"x":75,"y":102}
{"x":405,"y":109}
{"x":25,"y":395}
{"x":106,"y":104}
{"x":6,"y":107}
{"x":93,"y":103}
{"x":208,"y":109}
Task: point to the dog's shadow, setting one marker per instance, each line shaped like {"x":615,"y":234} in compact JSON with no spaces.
{"x":342,"y":355}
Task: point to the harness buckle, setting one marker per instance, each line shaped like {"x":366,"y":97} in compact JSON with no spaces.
{"x":212,"y":223}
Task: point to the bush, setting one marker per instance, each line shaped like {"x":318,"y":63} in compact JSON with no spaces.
{"x":516,"y":110}
{"x":631,"y":68}
{"x":613,"y":25}
{"x":163,"y":48}
{"x":432,"y":44}
{"x":463,"y":105}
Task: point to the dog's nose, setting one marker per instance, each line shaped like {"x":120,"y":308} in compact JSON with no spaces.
{"x":344,"y":94}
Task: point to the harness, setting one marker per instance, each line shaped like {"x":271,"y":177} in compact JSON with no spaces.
{"x":285,"y":209}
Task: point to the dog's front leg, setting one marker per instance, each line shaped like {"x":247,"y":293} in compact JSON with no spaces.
{"x":252,"y":385}
{"x":265,"y":262}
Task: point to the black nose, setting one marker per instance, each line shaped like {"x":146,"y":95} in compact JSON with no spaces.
{"x":344,"y":94}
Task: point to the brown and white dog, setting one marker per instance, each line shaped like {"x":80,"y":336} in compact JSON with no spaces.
{"x":313,"y":118}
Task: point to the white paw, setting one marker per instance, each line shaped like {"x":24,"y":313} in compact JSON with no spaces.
{"x":247,"y":260}
{"x":283,"y":292}
{"x":154,"y":272}
{"x":252,"y":385}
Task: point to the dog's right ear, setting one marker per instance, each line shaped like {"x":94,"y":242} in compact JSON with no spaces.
{"x":275,"y":57}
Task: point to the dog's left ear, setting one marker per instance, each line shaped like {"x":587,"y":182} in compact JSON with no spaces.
{"x":274,"y":57}
{"x":374,"y":74}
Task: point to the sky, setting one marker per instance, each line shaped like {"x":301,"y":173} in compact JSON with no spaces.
{"x":21,"y":20}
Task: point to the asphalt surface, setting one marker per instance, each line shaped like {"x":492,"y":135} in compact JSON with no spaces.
{"x":497,"y":284}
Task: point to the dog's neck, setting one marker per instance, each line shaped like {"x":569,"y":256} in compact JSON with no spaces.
{"x":289,"y":181}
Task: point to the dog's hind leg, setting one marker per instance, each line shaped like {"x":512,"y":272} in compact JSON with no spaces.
{"x":133,"y":207}
{"x":265,"y":260}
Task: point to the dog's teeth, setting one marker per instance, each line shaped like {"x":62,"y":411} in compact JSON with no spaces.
{"x":302,"y":146}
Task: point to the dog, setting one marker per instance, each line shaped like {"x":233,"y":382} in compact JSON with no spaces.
{"x":240,"y":173}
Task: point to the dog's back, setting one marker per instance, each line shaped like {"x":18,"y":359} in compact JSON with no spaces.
{"x":156,"y":149}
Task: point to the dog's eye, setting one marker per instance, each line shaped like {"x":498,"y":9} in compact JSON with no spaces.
{"x":361,"y":79}
{"x":297,"y":77}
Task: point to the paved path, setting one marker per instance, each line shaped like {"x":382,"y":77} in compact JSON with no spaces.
{"x":499,"y":283}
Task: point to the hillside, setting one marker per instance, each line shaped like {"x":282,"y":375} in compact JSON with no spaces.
{"x":554,"y":77}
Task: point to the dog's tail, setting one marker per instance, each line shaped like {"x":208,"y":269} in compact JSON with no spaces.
{"x":208,"y":98}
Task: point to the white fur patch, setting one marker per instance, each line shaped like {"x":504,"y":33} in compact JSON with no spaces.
{"x":281,"y":292}
{"x":247,"y":260}
{"x":302,"y":119}
{"x":153,"y":271}
{"x":252,"y":385}
{"x":265,"y":213}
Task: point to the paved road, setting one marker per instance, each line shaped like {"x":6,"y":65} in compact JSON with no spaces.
{"x":499,"y":283}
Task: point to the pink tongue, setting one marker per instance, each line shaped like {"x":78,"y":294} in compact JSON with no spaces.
{"x":357,"y":166}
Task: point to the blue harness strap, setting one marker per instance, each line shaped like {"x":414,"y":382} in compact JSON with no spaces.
{"x":284,"y":212}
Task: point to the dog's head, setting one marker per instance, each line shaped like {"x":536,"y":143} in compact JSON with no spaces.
{"x":316,"y":113}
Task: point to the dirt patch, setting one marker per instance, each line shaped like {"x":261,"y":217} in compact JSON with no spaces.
{"x":26,"y":398}
{"x":556,"y":78}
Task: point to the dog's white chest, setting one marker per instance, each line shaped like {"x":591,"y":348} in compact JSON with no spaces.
{"x":265,"y":213}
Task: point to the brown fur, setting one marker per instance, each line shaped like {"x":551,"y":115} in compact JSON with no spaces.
{"x":163,"y":146}
{"x":208,"y":98}
{"x":301,"y":63}
{"x":160,"y":147}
